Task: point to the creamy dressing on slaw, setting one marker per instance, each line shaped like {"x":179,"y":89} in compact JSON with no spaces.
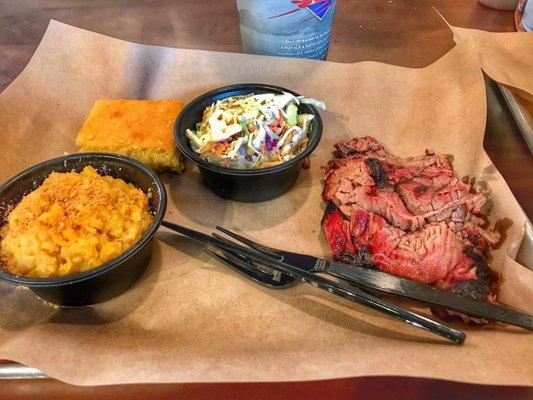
{"x":252,"y":131}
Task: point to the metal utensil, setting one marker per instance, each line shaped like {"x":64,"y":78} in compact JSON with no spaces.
{"x":339,"y":288}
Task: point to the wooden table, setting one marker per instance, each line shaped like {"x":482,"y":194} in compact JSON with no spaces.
{"x":401,"y":32}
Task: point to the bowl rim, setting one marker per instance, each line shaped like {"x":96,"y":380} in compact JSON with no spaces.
{"x":114,"y":262}
{"x":185,"y":148}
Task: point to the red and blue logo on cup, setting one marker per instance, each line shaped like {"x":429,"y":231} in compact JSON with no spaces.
{"x":318,"y":8}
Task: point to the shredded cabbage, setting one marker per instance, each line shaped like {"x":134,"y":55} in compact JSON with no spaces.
{"x":253,"y":131}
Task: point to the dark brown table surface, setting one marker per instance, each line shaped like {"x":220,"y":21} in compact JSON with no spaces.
{"x":401,"y":32}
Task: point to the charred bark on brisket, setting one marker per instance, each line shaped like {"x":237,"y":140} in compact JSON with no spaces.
{"x":363,"y":258}
{"x":378,"y":174}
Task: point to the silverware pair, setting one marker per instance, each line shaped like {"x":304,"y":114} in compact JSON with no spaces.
{"x":279,"y":269}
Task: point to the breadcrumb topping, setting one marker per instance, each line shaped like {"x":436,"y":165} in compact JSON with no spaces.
{"x":71,"y":223}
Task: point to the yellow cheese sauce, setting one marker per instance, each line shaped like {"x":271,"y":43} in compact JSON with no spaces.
{"x":71,"y":223}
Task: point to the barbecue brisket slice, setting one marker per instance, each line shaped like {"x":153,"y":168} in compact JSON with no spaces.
{"x":349,"y":181}
{"x":369,"y":146}
{"x":411,"y":217}
{"x":431,"y":255}
{"x":408,"y":192}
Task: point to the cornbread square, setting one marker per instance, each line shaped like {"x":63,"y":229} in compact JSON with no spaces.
{"x":141,"y":129}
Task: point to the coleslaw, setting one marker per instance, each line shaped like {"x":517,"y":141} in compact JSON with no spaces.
{"x":252,"y":131}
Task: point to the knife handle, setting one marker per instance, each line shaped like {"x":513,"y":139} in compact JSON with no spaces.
{"x":425,"y":293}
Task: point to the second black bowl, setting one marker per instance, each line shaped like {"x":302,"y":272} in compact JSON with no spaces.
{"x":246,"y":185}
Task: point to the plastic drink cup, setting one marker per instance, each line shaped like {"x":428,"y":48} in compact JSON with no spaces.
{"x":524,"y":16}
{"x":287,"y":28}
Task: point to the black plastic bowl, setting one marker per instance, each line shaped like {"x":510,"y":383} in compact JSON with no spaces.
{"x":113,"y":277}
{"x":246,"y":185}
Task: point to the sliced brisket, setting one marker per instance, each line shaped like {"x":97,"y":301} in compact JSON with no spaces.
{"x":428,"y":255}
{"x":408,"y":192}
{"x":411,"y":217}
